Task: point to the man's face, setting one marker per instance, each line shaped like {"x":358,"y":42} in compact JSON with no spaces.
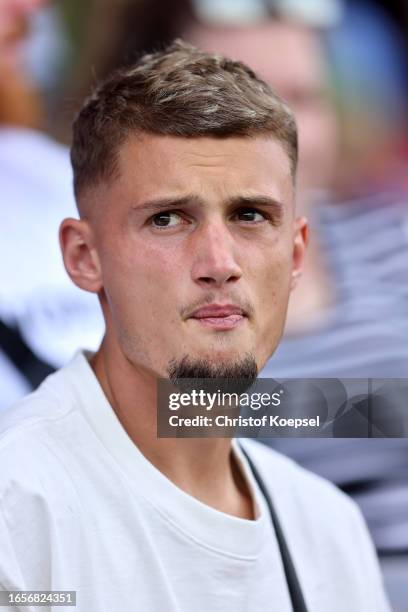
{"x":197,"y":244}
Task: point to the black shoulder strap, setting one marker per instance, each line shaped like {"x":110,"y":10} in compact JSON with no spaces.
{"x":295,"y":591}
{"x":22,"y":357}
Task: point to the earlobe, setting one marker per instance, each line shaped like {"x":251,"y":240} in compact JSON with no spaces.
{"x":301,"y":239}
{"x":80,"y":256}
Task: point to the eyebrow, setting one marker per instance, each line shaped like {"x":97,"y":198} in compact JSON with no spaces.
{"x":165,"y":203}
{"x":258,"y":200}
{"x":187,"y":201}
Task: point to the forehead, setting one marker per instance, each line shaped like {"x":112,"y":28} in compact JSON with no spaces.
{"x":151,"y":164}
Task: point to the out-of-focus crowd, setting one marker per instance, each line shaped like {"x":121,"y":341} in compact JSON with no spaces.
{"x":342,"y":67}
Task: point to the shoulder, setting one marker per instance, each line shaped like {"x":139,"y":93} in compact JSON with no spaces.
{"x":33,"y":413}
{"x":58,"y":397}
{"x":39,"y":499}
{"x":305,"y":500}
{"x":324,"y":530}
{"x":33,"y":435}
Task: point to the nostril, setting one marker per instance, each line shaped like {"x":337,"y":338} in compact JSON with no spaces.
{"x":207,"y":279}
{"x":233,"y":278}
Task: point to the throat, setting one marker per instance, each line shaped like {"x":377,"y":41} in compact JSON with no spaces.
{"x":208,"y":471}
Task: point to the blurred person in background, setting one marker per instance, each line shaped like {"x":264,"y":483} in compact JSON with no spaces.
{"x":374,"y":125}
{"x":43,"y":318}
{"x":19,"y":101}
{"x":347,"y":317}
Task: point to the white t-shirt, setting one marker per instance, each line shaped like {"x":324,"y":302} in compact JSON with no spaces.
{"x":82,"y":509}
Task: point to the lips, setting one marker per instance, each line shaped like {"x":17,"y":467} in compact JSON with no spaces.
{"x":217,"y":310}
{"x":220,"y":317}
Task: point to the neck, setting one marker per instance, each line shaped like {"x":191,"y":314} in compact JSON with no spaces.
{"x":204,"y":468}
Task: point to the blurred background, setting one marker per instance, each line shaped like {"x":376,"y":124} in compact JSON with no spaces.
{"x":342,"y":67}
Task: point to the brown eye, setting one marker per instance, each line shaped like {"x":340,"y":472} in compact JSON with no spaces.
{"x":250,"y":215}
{"x":166,"y":219}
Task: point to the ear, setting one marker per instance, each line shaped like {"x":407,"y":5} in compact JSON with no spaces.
{"x":80,"y":256}
{"x":300,"y":242}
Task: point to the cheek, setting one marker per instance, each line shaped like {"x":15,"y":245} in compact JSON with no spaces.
{"x":277,"y":289}
{"x":272,"y":301}
{"x":274,"y":278}
{"x":138,"y":280}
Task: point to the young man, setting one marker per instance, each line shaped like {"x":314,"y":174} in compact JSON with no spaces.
{"x":184,"y":171}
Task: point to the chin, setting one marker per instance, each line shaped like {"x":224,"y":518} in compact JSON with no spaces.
{"x":221,"y":356}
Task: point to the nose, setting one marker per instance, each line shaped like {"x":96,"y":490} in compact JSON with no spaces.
{"x":214,"y":256}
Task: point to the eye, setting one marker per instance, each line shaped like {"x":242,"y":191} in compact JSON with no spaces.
{"x":166,"y":219}
{"x":250,"y":215}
